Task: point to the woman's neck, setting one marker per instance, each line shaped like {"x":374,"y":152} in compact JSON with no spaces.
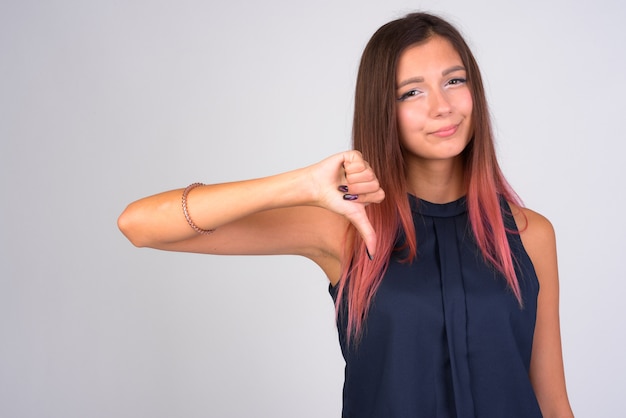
{"x":436,"y":181}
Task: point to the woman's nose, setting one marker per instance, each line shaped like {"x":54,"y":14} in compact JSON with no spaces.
{"x":439,"y":103}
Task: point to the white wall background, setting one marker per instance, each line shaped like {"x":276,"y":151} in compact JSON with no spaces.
{"x":103,"y":102}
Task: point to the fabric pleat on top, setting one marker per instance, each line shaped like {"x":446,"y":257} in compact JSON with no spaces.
{"x":445,"y":337}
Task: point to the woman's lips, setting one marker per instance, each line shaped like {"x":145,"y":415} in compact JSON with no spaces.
{"x":446,"y":131}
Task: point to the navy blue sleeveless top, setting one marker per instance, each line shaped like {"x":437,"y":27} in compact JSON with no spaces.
{"x":445,"y":336}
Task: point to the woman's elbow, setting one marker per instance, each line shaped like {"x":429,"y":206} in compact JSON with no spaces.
{"x":129,"y":224}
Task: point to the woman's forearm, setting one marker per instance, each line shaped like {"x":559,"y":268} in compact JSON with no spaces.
{"x":160,"y":219}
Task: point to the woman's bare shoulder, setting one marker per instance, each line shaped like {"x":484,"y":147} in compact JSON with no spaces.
{"x":531,"y":222}
{"x":537,"y":234}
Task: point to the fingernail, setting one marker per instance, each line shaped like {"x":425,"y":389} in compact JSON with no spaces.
{"x":368,"y":254}
{"x":350,"y":196}
{"x":343,"y":188}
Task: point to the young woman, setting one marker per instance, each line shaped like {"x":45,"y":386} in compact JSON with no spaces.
{"x":446,"y":288}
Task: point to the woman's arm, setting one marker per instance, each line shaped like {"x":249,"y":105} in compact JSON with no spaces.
{"x":546,"y":366}
{"x":298,"y":212}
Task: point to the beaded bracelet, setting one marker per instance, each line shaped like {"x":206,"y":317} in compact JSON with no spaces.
{"x":186,"y":212}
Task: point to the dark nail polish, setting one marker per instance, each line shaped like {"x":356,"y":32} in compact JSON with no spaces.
{"x":350,"y":196}
{"x":368,"y":254}
{"x":343,"y":188}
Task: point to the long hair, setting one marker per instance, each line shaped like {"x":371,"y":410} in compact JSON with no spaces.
{"x":375,"y":134}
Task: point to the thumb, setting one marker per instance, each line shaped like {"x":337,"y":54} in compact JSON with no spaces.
{"x":364,"y":227}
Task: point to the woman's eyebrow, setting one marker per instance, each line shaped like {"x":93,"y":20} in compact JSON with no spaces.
{"x":453,"y":69}
{"x":410,"y":80}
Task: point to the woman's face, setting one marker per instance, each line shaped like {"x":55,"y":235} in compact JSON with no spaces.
{"x":434,"y":102}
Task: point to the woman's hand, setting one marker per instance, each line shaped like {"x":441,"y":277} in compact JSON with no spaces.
{"x":345,"y":184}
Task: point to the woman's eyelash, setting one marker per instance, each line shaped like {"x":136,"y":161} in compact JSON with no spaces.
{"x":408,"y":94}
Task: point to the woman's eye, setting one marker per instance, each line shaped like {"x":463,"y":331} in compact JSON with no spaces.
{"x":456,"y":81}
{"x":408,"y":94}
